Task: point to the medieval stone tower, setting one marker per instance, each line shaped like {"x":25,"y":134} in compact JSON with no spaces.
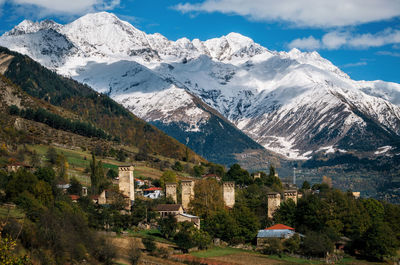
{"x":290,"y":194}
{"x":274,"y":201}
{"x":170,"y":191}
{"x":228,"y":190}
{"x":187,"y":192}
{"x":126,"y":181}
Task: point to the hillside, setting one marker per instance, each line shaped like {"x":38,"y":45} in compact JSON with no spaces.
{"x":87,"y":105}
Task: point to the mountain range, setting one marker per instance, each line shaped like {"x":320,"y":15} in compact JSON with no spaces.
{"x":227,"y":98}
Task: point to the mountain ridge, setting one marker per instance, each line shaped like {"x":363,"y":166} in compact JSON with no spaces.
{"x":289,"y":102}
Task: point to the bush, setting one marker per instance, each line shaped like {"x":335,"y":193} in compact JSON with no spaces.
{"x":134,"y":253}
{"x":317,"y":245}
{"x":273,"y":246}
{"x":292,"y":245}
{"x":149,"y":244}
{"x":105,"y":252}
{"x":162,"y":252}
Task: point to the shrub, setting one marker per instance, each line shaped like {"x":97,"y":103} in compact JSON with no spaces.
{"x":149,"y":244}
{"x":134,"y":253}
{"x":273,"y":246}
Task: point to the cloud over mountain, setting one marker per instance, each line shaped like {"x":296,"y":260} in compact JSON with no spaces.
{"x":302,"y":13}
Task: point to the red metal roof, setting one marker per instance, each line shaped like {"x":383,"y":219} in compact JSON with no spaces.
{"x":279,"y":227}
{"x":74,"y":197}
{"x":152,"y":189}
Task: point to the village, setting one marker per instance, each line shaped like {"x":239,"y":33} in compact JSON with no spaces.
{"x":233,"y":211}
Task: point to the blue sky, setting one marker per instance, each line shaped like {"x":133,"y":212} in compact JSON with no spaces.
{"x":362,"y":37}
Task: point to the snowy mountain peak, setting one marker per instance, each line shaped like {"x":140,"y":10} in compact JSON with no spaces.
{"x":28,"y":26}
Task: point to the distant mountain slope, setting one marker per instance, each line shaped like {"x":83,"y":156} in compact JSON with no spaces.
{"x":88,"y":105}
{"x":296,"y":104}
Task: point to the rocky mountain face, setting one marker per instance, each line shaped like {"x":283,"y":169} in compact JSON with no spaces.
{"x":296,"y":104}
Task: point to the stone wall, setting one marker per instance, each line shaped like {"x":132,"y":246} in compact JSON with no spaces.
{"x":126,"y":181}
{"x":170,"y":191}
{"x":274,"y":201}
{"x":228,"y":189}
{"x":187,"y":192}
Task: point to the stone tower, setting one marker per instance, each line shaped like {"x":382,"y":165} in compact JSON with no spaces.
{"x":187,"y":192}
{"x":290,"y":194}
{"x":274,"y":201}
{"x":126,"y":181}
{"x":170,"y":191}
{"x":228,"y":190}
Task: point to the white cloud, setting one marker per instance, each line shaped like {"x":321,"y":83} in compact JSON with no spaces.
{"x":65,"y":7}
{"x":354,"y":64}
{"x":338,"y":39}
{"x":309,"y":43}
{"x":388,"y":53}
{"x":303,"y":13}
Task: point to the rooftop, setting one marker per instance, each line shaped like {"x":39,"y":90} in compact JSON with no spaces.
{"x":279,"y":233}
{"x":279,"y":227}
{"x":153,"y":189}
{"x":168,"y":207}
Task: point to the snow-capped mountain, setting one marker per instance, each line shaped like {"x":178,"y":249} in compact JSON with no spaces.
{"x":296,"y":104}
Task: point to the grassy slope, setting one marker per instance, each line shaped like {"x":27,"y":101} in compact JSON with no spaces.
{"x":91,"y":106}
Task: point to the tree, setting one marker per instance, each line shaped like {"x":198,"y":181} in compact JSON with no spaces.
{"x":46,"y":174}
{"x":306,"y":185}
{"x":7,"y":256}
{"x":198,"y":171}
{"x":239,"y":175}
{"x":43,"y":193}
{"x":379,"y":242}
{"x":177,"y":166}
{"x":75,"y":187}
{"x":112,"y":174}
{"x":51,"y":155}
{"x":219,"y":170}
{"x":98,"y":181}
{"x":317,"y":244}
{"x":62,"y":165}
{"x":121,"y":155}
{"x":149,"y":244}
{"x":292,"y":244}
{"x":168,"y":226}
{"x":247,"y":223}
{"x":286,"y":214}
{"x":272,"y":180}
{"x":207,"y":197}
{"x":134,"y":253}
{"x":327,"y":181}
{"x":273,"y":246}
{"x":167,"y":176}
{"x":220,"y":224}
{"x":189,"y":237}
{"x":35,"y":159}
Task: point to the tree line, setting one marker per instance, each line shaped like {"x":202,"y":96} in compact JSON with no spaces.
{"x":60,"y":123}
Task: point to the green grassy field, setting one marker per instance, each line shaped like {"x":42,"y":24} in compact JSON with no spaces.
{"x":290,"y":259}
{"x":12,"y":213}
{"x":217,"y":252}
{"x":151,"y":233}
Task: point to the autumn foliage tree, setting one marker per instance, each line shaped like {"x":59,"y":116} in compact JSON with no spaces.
{"x":207,"y":197}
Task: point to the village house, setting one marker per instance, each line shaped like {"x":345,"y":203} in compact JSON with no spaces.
{"x":108,"y":196}
{"x":14,"y":166}
{"x":74,"y":198}
{"x":153,"y":192}
{"x":276,"y":231}
{"x":177,"y":210}
{"x":169,"y":209}
{"x":139,"y":182}
{"x":183,"y":217}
